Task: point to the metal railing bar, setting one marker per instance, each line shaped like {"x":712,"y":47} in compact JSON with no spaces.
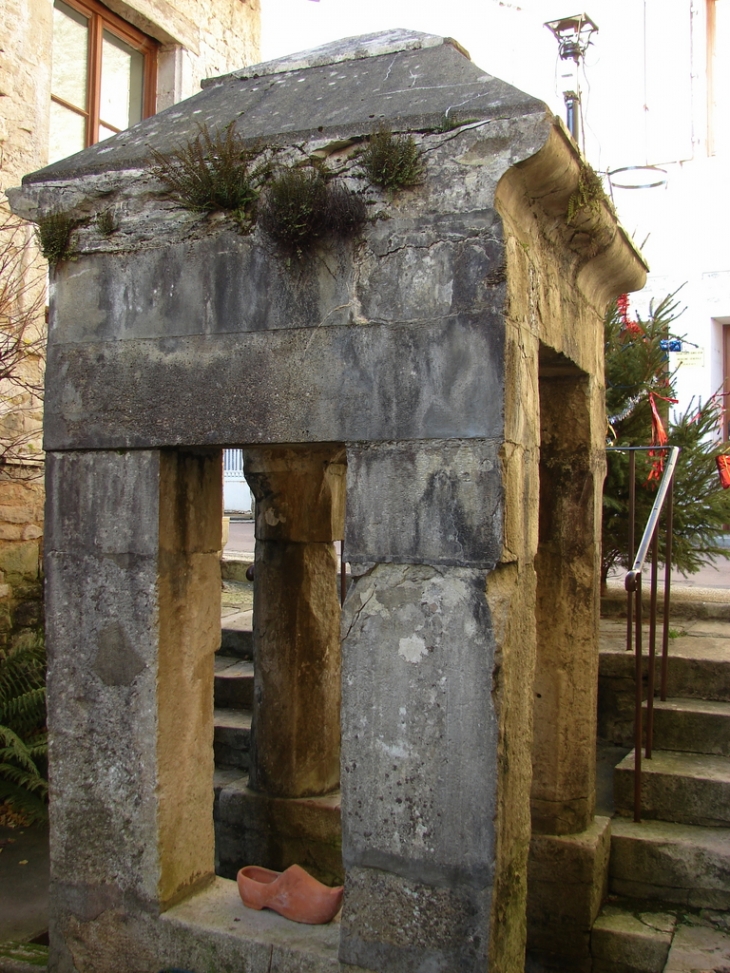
{"x":667,"y":587}
{"x":669,"y":464}
{"x":638,"y":701}
{"x":632,"y":544}
{"x":652,"y":645}
{"x":633,"y":586}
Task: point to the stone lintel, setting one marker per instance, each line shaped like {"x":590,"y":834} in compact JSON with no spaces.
{"x":217,"y":389}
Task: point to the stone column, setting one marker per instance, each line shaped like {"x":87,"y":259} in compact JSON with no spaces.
{"x":300,"y":505}
{"x":133,"y":620}
{"x":427,"y":887}
{"x":566,"y":675}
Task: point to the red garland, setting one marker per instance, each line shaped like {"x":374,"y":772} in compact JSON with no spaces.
{"x":622,"y":305}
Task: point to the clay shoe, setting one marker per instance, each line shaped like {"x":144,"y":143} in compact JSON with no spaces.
{"x":294,"y":894}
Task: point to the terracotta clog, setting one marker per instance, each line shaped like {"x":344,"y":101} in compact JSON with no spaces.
{"x":294,"y":894}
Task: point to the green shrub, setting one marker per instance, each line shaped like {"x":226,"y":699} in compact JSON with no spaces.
{"x":23,"y":737}
{"x":637,"y":369}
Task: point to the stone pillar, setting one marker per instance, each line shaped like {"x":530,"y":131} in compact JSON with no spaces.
{"x":421,"y":766}
{"x":300,"y":505}
{"x":568,"y":867}
{"x":133,"y":620}
{"x":567,"y":565}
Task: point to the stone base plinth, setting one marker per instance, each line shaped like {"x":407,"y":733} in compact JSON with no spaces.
{"x":253,"y":829}
{"x":567,"y":882}
{"x":209,"y":931}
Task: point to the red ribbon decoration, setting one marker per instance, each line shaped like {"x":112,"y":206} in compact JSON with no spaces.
{"x":658,"y":437}
{"x":723,"y":468}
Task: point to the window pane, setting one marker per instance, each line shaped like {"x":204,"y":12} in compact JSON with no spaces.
{"x":106,"y":133}
{"x":67,"y":134}
{"x":122,"y":74}
{"x":70,"y":54}
{"x":721,"y":77}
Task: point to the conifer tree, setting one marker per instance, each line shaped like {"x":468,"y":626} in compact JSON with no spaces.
{"x":640,"y":391}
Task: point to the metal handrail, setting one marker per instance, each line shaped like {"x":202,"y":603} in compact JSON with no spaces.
{"x":632,"y":583}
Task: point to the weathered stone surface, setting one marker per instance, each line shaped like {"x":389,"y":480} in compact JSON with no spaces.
{"x":285,"y":106}
{"x":210,"y":930}
{"x":672,"y":862}
{"x":259,"y":388}
{"x":698,"y":945}
{"x":682,"y":787}
{"x":130,"y":660}
{"x":420,"y":350}
{"x":622,"y":942}
{"x":295,"y":729}
{"x":572,"y":468}
{"x":694,"y":725}
{"x":566,"y":885}
{"x":278,"y":832}
{"x":395,"y":922}
{"x":699,"y":668}
{"x":418,"y":633}
{"x":300,"y":494}
{"x":300,"y":502}
{"x":440,"y":502}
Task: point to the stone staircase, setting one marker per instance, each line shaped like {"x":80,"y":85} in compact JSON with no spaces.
{"x":669,"y":876}
{"x":233,"y":702}
{"x":251,"y":828}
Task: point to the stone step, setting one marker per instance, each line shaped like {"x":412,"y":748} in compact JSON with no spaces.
{"x":237,"y":634}
{"x":232,"y":738}
{"x":233,"y":687}
{"x":626,"y":940}
{"x":678,"y":863}
{"x":692,"y":725}
{"x":687,"y":788}
{"x":700,"y":943}
{"x":699,"y":668}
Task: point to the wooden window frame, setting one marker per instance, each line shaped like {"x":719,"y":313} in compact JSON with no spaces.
{"x":100,"y":19}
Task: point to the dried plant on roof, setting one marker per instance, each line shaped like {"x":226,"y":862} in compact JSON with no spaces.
{"x":392,"y":161}
{"x":302,"y":205}
{"x":214,"y":171}
{"x":54,"y":234}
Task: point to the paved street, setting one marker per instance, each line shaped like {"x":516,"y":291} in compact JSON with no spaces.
{"x":717,"y":575}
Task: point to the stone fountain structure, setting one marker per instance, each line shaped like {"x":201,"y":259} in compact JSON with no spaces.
{"x":431,"y":391}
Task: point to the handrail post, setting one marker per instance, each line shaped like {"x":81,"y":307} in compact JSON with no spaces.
{"x":632,"y":584}
{"x":632,"y":547}
{"x":667,"y":586}
{"x":652,"y":644}
{"x":638,"y":705}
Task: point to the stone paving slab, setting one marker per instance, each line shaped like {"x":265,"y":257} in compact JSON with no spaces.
{"x":699,"y":947}
{"x":24,"y":875}
{"x":626,"y":942}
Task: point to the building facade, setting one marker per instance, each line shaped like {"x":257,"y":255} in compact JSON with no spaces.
{"x":73,"y":72}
